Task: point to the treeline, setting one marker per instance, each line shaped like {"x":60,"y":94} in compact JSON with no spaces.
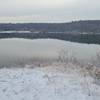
{"x":90,"y":26}
{"x":82,"y":38}
{"x":78,"y":31}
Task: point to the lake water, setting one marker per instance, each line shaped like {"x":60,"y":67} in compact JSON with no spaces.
{"x":22,"y":50}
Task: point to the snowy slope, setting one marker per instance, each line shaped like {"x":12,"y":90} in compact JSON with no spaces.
{"x":55,"y":82}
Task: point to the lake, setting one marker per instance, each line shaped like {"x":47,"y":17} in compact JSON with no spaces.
{"x":17,"y":50}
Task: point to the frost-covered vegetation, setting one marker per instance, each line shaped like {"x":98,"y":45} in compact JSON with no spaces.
{"x":56,"y":81}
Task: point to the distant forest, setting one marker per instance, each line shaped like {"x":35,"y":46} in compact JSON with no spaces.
{"x":79,"y":31}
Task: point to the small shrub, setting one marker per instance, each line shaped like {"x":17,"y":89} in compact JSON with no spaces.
{"x":67,"y":57}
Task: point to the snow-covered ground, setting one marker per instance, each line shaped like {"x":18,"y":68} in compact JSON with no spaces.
{"x":55,"y":82}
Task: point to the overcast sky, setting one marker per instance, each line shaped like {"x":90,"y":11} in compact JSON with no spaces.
{"x":48,"y":10}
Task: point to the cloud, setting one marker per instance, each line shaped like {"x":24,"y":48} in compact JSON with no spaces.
{"x":8,"y":7}
{"x":47,"y":10}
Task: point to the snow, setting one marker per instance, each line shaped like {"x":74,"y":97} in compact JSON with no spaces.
{"x":13,"y":31}
{"x":53,"y":82}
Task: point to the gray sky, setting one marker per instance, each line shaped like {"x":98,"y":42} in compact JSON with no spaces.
{"x":48,"y":10}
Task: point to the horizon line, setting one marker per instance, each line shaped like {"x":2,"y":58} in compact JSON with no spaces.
{"x":49,"y":22}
